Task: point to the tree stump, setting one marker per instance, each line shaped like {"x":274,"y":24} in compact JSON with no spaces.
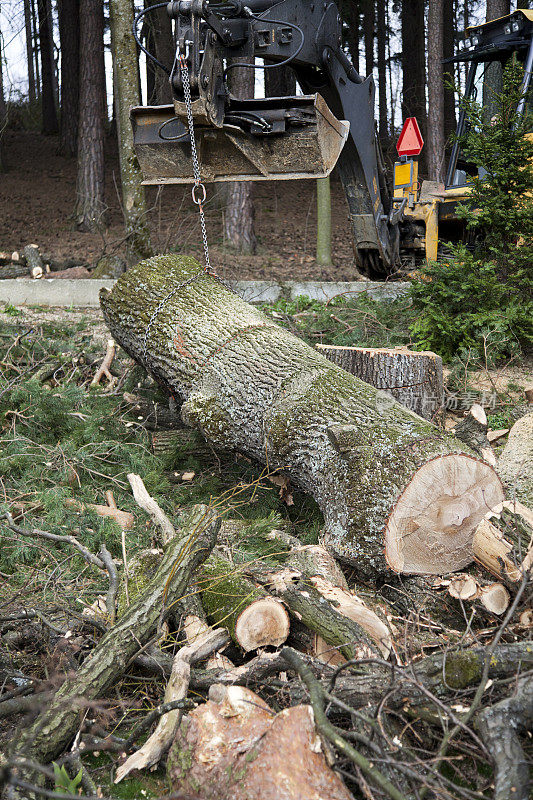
{"x":414,"y":379}
{"x":395,"y":491}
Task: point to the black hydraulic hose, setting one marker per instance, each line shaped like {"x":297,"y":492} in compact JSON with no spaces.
{"x":149,"y":55}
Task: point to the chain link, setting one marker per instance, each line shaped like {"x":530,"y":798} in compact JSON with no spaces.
{"x":199,"y":201}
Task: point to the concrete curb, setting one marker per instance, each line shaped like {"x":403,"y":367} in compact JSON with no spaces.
{"x":64,"y":293}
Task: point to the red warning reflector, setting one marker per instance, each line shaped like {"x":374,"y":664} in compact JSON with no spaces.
{"x":410,"y":142}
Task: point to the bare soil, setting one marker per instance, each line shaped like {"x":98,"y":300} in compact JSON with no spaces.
{"x":37,"y":202}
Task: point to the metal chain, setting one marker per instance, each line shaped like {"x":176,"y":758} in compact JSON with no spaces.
{"x":198,"y":185}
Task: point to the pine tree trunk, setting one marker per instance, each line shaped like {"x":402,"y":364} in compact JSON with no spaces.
{"x":449,"y":28}
{"x":163,"y":47}
{"x":29,"y":51}
{"x":127,"y":95}
{"x":239,"y":217}
{"x":414,"y":66}
{"x":394,"y":490}
{"x":492,"y":83}
{"x":69,"y":36}
{"x":382,"y":70}
{"x":323,"y":227}
{"x":369,"y":23}
{"x":3,"y":109}
{"x":435,"y":133}
{"x":350,"y":13}
{"x":90,"y":209}
{"x":49,"y":113}
{"x":280,"y":82}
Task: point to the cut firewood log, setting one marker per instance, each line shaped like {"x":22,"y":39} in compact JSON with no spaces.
{"x":152,"y":415}
{"x":503,"y":541}
{"x":34,"y":261}
{"x":413,"y":378}
{"x":252,"y":617}
{"x":463,"y":587}
{"x":515,"y":464}
{"x":473,"y":430}
{"x":334,"y":614}
{"x":394,"y":490}
{"x":55,"y":727}
{"x":495,"y":598}
{"x":234,"y":747}
{"x":15,"y":270}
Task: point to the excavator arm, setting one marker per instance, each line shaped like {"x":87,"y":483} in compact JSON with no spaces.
{"x":273,"y":138}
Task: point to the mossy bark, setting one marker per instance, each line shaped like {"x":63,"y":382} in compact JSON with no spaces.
{"x":58,"y":723}
{"x":250,"y":385}
{"x":226,"y":592}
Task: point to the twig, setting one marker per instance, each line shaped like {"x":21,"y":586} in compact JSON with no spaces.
{"x":111,"y":596}
{"x":148,"y":504}
{"x":482,"y":684}
{"x":329,"y":731}
{"x":31,"y":533}
{"x":103,"y":369}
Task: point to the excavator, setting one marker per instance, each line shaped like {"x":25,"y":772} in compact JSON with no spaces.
{"x":303,"y":136}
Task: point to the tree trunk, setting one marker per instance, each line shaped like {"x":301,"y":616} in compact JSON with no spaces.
{"x":239,"y":218}
{"x":395,"y":491}
{"x":58,"y":723}
{"x":3,"y":109}
{"x":382,"y":69}
{"x":90,"y":209}
{"x":414,"y":65}
{"x":148,"y":38}
{"x":349,"y":10}
{"x":35,"y":47}
{"x":69,"y":36}
{"x":160,"y":26}
{"x":127,"y":95}
{"x":435,"y":132}
{"x":414,"y":379}
{"x":369,"y":24}
{"x":29,"y":51}
{"x":280,"y":82}
{"x":449,"y":29}
{"x":323,"y":222}
{"x":492,"y":82}
{"x":49,"y":113}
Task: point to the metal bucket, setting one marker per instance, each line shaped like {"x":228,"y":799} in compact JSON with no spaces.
{"x":304,"y":141}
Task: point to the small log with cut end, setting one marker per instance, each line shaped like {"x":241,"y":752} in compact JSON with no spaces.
{"x":495,"y":598}
{"x":503,"y":541}
{"x":252,"y":617}
{"x":415,"y":379}
{"x":394,"y":490}
{"x":473,"y":430}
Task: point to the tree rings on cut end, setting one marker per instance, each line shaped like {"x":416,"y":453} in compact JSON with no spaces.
{"x":264,"y":622}
{"x":431,"y":527}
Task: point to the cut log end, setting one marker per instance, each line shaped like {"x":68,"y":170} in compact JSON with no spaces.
{"x":495,"y":598}
{"x":264,"y":622}
{"x":431,"y":528}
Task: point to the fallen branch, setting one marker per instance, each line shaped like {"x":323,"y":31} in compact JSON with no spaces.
{"x":177,"y":687}
{"x":104,"y":368}
{"x":53,"y":729}
{"x":148,"y":504}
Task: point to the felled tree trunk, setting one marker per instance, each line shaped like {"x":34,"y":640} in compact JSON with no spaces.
{"x":394,"y":490}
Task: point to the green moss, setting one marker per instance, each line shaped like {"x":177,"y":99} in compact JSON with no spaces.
{"x":462,"y":670}
{"x":141,"y":570}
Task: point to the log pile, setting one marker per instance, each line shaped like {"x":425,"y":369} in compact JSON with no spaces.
{"x":361,"y":666}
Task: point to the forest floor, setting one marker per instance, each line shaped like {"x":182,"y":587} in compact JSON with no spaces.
{"x":64,"y":444}
{"x":38,"y":196}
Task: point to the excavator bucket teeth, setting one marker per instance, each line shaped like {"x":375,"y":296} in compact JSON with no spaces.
{"x":270,"y":139}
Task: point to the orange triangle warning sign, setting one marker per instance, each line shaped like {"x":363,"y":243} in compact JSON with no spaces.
{"x":410,"y":142}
